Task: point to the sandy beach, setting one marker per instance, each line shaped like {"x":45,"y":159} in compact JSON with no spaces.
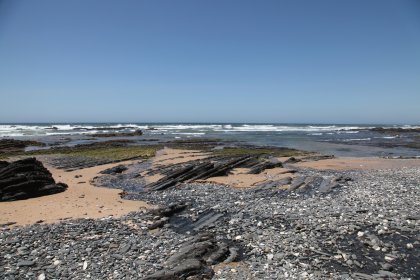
{"x":239,"y":213}
{"x":84,"y":200}
{"x":81,"y":200}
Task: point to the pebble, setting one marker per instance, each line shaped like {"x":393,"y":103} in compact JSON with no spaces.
{"x":25,"y":263}
{"x":300,"y":235}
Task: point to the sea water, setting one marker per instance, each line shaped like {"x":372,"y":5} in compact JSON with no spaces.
{"x":342,"y":140}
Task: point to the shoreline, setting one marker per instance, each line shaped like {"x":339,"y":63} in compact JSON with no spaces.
{"x":341,"y":140}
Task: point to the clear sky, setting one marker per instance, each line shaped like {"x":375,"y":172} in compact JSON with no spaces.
{"x":354,"y":61}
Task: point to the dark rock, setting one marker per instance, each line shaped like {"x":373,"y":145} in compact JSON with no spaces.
{"x":292,"y":160}
{"x":13,"y":146}
{"x":190,"y":260}
{"x":114,"y":170}
{"x":317,"y":157}
{"x":395,"y":130}
{"x":267,"y":164}
{"x":120,"y":134}
{"x":201,"y":170}
{"x":25,"y":179}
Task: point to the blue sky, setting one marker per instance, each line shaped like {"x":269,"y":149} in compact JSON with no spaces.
{"x":210,"y":61}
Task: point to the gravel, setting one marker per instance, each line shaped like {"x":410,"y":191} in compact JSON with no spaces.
{"x":367,"y":228}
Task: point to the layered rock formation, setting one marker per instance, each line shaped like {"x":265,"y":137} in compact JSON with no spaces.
{"x":26,"y":178}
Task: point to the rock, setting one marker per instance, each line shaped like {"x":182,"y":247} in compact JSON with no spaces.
{"x":233,"y":255}
{"x":328,"y":185}
{"x":114,"y":170}
{"x":199,"y":171}
{"x":386,"y":273}
{"x":266,"y":164}
{"x":387,"y":266}
{"x":190,"y":259}
{"x":27,"y":178}
{"x":119,"y":134}
{"x":118,"y":256}
{"x":25,"y":263}
{"x":13,"y":146}
{"x":125,"y":248}
{"x":273,"y":184}
{"x":297,"y":182}
{"x":292,"y":160}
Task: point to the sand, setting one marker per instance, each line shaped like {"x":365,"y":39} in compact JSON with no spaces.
{"x":168,"y":156}
{"x":80,"y":200}
{"x":352,"y":163}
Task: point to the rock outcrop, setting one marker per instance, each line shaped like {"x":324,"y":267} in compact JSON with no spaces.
{"x":119,"y":134}
{"x":13,"y":146}
{"x":26,"y":178}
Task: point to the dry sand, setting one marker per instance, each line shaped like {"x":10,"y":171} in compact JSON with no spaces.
{"x":351,"y":163}
{"x":80,"y":200}
{"x":168,"y":156}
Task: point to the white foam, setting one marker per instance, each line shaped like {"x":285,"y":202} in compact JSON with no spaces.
{"x":188,"y":133}
{"x":290,"y":128}
{"x":357,"y":139}
{"x":187,"y":127}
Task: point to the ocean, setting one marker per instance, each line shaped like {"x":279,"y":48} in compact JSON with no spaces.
{"x":340,"y":140}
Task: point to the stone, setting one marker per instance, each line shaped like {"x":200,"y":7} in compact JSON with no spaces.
{"x":26,"y":178}
{"x":117,"y":256}
{"x":25,"y":263}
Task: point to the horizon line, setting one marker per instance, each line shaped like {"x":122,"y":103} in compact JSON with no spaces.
{"x":209,"y":122}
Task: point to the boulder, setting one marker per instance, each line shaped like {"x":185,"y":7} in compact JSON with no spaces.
{"x":26,"y":178}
